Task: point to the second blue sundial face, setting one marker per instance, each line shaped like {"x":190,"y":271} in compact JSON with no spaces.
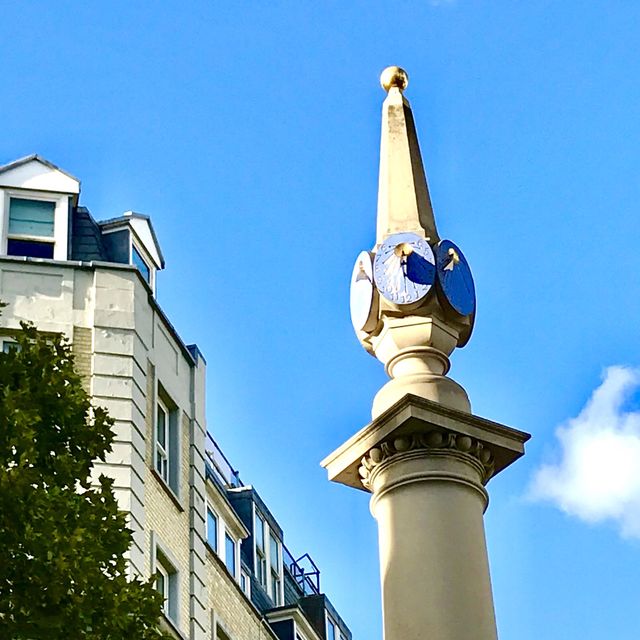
{"x":454,"y":278}
{"x":404,"y":268}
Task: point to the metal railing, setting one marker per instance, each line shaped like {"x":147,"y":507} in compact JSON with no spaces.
{"x":220,"y":466}
{"x":304,"y":571}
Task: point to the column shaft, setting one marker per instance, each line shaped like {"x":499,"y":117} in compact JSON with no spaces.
{"x":433,"y":558}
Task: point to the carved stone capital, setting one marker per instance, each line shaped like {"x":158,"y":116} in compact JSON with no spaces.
{"x":418,"y":428}
{"x":435,"y":442}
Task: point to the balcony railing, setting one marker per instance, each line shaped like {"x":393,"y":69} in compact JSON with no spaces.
{"x":220,"y":466}
{"x":304,"y":571}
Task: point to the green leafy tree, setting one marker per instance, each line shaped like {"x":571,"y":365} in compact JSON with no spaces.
{"x":62,"y":539}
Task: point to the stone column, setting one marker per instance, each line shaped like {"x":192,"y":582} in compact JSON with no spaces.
{"x":426,"y":466}
{"x":424,"y":457}
{"x":429,"y":500}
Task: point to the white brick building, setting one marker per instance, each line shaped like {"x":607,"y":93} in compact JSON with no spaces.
{"x":217,"y":550}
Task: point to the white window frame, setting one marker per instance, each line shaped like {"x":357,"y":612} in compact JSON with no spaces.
{"x":60,"y":219}
{"x":275,"y":586}
{"x":302,"y":628}
{"x":160,"y":450}
{"x":262,"y":558}
{"x":173,"y":440}
{"x":236,"y":573}
{"x":4,"y":341}
{"x":260,"y":555}
{"x":275,"y":572}
{"x":219,"y":522}
{"x":224,"y":530}
{"x":246,"y":589}
{"x":146,"y":258}
{"x":164,"y":592}
{"x":167,"y":566}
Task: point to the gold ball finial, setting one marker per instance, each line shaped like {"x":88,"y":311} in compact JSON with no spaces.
{"x":394,"y":77}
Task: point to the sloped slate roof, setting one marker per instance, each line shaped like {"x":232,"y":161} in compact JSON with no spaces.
{"x":86,"y":238}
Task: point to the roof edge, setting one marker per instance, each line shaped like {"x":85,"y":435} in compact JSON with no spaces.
{"x":34,"y":157}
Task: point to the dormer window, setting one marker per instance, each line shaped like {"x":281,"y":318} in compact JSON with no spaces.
{"x":130,"y":239}
{"x":34,"y":224}
{"x":31,"y":228}
{"x":141,"y":263}
{"x":36,"y":200}
{"x":40,"y":218}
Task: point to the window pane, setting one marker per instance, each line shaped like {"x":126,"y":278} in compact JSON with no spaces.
{"x":275,"y":589}
{"x":9,"y":345}
{"x":212,"y":530}
{"x":162,"y":427}
{"x":261,"y":571}
{"x":274,"y":553}
{"x":161,"y":583}
{"x":29,"y":248}
{"x":245,"y":583}
{"x":139,"y":262}
{"x":220,"y":634}
{"x":31,"y":217}
{"x":230,"y":554}
{"x":259,"y":532}
{"x":331,"y":630}
{"x":161,"y":466}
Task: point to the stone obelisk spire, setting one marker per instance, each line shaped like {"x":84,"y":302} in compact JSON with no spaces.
{"x":403,"y":195}
{"x":425,"y":458}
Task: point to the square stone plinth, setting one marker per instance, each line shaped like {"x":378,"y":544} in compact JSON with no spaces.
{"x":413,"y":414}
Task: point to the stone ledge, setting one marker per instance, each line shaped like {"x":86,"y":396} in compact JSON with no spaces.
{"x":411,"y":415}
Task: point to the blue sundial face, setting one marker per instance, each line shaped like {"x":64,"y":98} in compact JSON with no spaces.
{"x":404,"y":268}
{"x":455,"y":279}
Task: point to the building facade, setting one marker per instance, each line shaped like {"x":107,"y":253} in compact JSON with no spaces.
{"x":217,"y":551}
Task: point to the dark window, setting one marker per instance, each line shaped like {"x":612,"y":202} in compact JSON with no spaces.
{"x":162,"y":457}
{"x":261,"y":556}
{"x":30,"y":229}
{"x":9,"y":345}
{"x":220,"y":634}
{"x":167,"y":585}
{"x":212,"y":530}
{"x":29,"y":248}
{"x":230,"y":554}
{"x":166,"y":441}
{"x":142,"y":265}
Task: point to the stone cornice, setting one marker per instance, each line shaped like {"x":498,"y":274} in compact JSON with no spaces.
{"x":411,"y":415}
{"x":434,"y":442}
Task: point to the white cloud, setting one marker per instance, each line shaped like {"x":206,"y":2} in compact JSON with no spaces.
{"x":597,"y":477}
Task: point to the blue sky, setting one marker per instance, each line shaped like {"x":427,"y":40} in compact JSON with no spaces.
{"x":249,"y":131}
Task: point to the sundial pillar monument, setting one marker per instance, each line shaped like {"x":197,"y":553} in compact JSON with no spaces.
{"x":425,"y":458}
